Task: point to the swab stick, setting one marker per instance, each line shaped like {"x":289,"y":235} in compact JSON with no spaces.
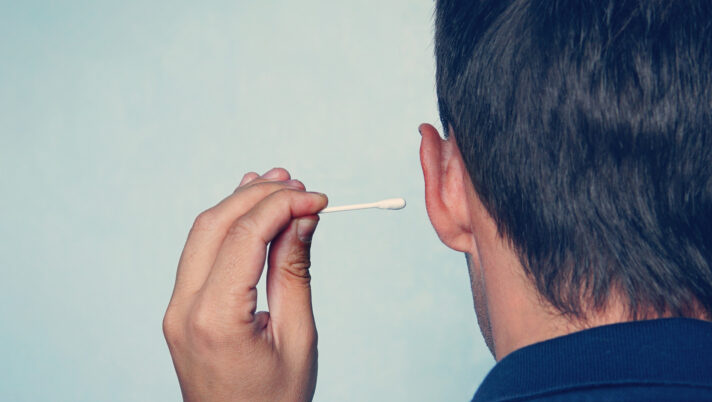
{"x":391,"y":203}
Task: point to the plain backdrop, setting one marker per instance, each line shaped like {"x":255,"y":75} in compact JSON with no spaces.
{"x":121,"y":121}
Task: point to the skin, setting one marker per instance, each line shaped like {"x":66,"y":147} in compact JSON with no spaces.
{"x":223,"y":351}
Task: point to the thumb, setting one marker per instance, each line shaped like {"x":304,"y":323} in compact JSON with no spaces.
{"x":288,"y":283}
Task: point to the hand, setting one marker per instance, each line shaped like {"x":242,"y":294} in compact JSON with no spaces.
{"x":221,"y":349}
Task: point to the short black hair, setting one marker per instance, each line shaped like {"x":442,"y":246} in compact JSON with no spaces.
{"x":586,"y":128}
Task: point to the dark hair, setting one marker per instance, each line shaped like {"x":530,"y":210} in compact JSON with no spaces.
{"x":586,"y":127}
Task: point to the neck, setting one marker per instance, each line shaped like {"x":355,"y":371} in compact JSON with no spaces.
{"x":523,"y":319}
{"x":519,"y":317}
{"x":510,"y":311}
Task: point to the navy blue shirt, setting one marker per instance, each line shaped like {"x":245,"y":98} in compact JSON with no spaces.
{"x":657,"y":360}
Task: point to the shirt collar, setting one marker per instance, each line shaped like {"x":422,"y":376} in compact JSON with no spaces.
{"x":642,"y":352}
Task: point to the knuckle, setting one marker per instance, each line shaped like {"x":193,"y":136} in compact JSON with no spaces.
{"x":274,"y":189}
{"x":298,"y":268}
{"x":207,"y":220}
{"x":242,"y":227}
{"x":299,"y":257}
{"x":308,"y":341}
{"x":267,"y":185}
{"x":172,"y":326}
{"x":284,"y":194}
{"x":312,"y":339}
{"x":203,"y":328}
{"x":262,"y":188}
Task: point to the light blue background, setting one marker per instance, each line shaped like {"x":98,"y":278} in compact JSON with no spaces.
{"x":120,"y":122}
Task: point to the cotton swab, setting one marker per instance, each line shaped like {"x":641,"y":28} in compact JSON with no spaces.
{"x":391,"y":203}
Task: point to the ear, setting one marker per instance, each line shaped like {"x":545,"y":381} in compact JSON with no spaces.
{"x":445,"y":189}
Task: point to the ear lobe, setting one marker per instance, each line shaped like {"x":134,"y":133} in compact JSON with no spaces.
{"x":445,"y":196}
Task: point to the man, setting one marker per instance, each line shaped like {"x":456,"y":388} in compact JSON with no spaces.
{"x":577,"y":179}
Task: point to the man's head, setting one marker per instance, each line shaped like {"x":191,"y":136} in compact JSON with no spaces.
{"x":585,"y":128}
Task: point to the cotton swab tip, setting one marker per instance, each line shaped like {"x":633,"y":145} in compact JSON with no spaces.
{"x":392,"y":203}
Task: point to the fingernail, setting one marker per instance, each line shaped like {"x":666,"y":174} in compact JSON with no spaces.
{"x":271,"y":174}
{"x":305,"y":229}
{"x":320,"y":194}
